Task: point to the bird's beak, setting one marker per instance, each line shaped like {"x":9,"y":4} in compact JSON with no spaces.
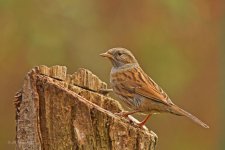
{"x":106,"y":55}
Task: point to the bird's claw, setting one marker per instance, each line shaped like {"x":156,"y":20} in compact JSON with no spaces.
{"x":123,"y":114}
{"x":131,"y":119}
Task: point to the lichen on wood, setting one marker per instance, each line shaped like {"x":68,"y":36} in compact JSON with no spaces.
{"x":55,"y":110}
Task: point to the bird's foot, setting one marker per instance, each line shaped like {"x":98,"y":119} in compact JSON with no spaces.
{"x":132,"y":120}
{"x":128,"y":117}
{"x":123,"y":114}
{"x":142,"y":124}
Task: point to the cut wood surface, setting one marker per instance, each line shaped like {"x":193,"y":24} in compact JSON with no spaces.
{"x":57,"y":111}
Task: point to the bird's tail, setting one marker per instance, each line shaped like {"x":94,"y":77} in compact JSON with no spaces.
{"x":178,"y":111}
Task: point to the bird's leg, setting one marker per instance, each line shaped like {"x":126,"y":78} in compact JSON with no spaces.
{"x":141,"y":124}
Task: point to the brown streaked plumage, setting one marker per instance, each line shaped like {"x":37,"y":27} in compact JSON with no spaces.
{"x":137,"y":89}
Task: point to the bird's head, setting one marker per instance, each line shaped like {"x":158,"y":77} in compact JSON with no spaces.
{"x":119,"y":57}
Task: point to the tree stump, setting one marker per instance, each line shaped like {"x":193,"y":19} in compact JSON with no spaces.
{"x":55,"y":110}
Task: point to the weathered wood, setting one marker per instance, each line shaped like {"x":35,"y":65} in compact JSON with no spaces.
{"x":59,"y":111}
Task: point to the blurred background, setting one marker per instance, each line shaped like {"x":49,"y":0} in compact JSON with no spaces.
{"x":179,"y":43}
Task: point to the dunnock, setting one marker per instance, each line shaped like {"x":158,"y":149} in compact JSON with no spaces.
{"x":132,"y":85}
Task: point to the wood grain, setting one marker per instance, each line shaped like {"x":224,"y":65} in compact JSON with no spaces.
{"x":55,"y":110}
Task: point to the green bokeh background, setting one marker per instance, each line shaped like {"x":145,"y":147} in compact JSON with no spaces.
{"x":179,"y":43}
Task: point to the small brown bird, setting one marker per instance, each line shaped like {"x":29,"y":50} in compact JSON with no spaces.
{"x":132,"y":85}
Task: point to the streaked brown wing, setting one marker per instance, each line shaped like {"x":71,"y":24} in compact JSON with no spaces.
{"x":149,"y":88}
{"x":151,"y":94}
{"x":158,"y":88}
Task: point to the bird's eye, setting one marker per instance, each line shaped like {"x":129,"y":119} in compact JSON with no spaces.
{"x":119,"y":53}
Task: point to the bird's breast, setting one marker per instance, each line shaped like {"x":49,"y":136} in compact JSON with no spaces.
{"x":122,"y":74}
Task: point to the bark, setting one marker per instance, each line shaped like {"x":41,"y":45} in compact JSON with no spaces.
{"x":55,"y":110}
